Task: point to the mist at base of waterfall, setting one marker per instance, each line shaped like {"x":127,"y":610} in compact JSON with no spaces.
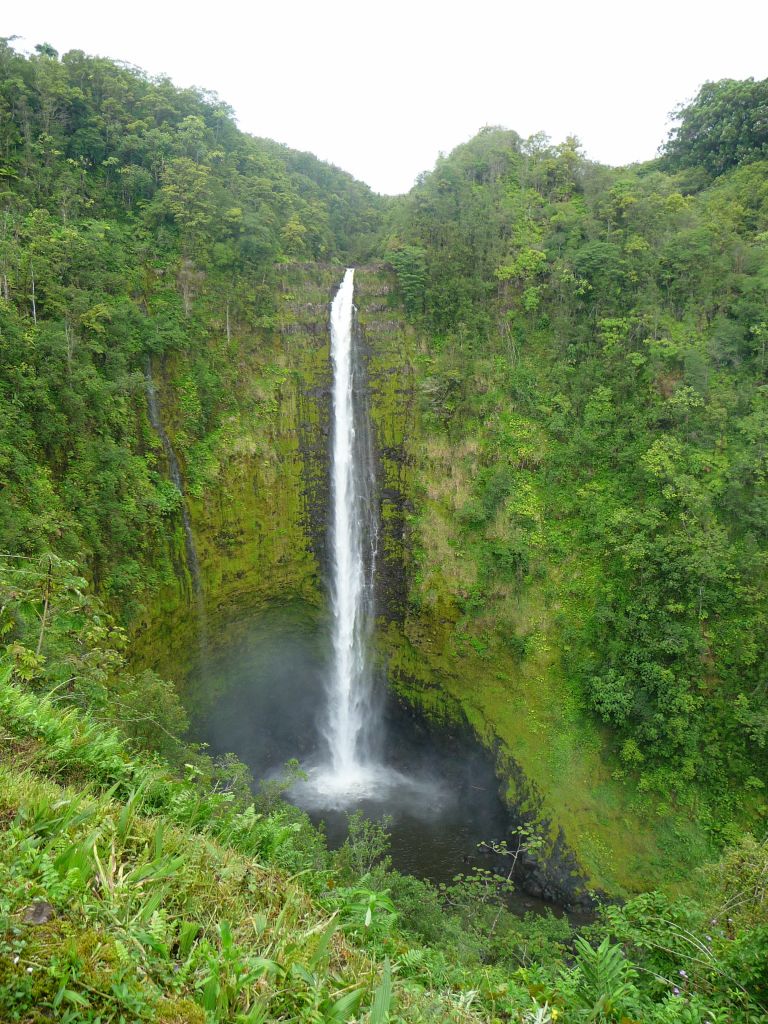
{"x":256,"y":695}
{"x":372,"y":784}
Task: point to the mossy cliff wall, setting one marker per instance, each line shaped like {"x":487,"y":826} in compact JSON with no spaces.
{"x":499,"y":670}
{"x":257,"y":505}
{"x":258,"y":511}
{"x":388,"y":344}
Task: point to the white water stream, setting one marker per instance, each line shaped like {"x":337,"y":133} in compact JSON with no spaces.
{"x":354,"y":526}
{"x":354,"y":770}
{"x":351,"y":728}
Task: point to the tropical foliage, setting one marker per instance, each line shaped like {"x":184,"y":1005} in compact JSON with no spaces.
{"x":592,"y":356}
{"x":597,"y":340}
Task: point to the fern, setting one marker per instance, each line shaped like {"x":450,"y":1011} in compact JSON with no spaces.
{"x":603,"y":980}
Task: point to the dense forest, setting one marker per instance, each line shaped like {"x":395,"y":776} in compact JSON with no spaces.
{"x":614,"y":321}
{"x":589,"y":363}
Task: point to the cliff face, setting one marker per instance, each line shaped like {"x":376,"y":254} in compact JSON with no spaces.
{"x":390,"y":345}
{"x":259,"y":517}
{"x":258,"y":514}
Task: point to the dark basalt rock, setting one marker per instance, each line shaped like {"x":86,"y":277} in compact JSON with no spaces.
{"x":557,"y":879}
{"x":552,"y":873}
{"x":39,"y":912}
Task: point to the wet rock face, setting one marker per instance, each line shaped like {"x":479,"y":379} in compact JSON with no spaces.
{"x":388,"y":382}
{"x":558,"y":878}
{"x":392,"y":583}
{"x":313,"y":429}
{"x":385,"y":340}
{"x":552,"y":872}
{"x":306,"y":330}
{"x":554,"y":878}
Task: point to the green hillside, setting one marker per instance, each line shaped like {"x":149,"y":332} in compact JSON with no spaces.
{"x":588,"y":547}
{"x":567,"y":374}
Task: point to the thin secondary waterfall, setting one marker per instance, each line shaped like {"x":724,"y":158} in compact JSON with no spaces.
{"x":174,"y":470}
{"x":350,"y":729}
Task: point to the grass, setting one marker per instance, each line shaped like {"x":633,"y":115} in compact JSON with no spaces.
{"x":155,"y":899}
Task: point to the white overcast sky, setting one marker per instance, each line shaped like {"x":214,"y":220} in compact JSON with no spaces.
{"x":381,"y":88}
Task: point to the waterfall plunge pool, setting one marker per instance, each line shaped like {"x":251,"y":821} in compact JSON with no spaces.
{"x":283,"y":689}
{"x":258,"y":692}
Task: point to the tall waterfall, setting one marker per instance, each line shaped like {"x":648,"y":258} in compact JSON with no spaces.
{"x":350,"y":729}
{"x":354,"y":771}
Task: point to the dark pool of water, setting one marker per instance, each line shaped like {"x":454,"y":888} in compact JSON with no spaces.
{"x":261,"y":696}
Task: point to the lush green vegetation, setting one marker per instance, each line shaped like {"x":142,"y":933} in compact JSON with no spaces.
{"x":137,"y":222}
{"x":130,"y":892}
{"x":597,"y":362}
{"x":725,"y":126}
{"x":588,"y":537}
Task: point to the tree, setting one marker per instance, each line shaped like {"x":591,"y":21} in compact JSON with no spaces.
{"x":725,"y":125}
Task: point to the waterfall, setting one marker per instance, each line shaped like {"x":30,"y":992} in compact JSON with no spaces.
{"x":350,"y":730}
{"x":354,"y":771}
{"x":352,"y":726}
{"x":174,"y":471}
